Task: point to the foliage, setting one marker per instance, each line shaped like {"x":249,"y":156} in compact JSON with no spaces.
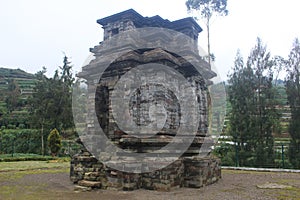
{"x":36,"y":102}
{"x":19,"y":141}
{"x":51,"y":103}
{"x":293,"y":93}
{"x":54,"y":142}
{"x":39,"y":106}
{"x":67,"y":82}
{"x":226,"y":153}
{"x":253,"y":115}
{"x":208,"y":8}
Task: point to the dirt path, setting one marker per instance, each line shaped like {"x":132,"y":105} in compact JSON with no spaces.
{"x":55,"y":184}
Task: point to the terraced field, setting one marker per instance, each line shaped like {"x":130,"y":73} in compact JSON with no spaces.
{"x":24,"y":81}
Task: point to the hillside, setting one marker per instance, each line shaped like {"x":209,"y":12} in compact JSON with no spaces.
{"x":25,"y":83}
{"x":6,"y":73}
{"x":24,"y":80}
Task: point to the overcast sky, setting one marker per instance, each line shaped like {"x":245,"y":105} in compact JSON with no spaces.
{"x":35,"y":33}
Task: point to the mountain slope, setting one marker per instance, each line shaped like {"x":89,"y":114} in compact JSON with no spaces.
{"x":6,"y":73}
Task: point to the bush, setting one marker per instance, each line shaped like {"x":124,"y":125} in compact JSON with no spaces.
{"x":54,"y":142}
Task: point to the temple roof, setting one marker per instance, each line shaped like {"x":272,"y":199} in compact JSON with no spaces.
{"x":155,"y":21}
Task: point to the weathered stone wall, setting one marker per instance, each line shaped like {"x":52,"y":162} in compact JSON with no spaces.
{"x":193,"y":172}
{"x":113,"y":60}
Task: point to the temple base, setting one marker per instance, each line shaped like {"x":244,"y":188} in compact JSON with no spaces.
{"x":192,"y":172}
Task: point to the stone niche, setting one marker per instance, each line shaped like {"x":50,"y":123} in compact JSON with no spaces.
{"x":191,"y":169}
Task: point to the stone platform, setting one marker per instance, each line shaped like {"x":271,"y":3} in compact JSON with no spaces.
{"x":192,"y":172}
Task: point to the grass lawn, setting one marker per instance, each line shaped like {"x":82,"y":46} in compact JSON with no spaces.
{"x":32,"y":165}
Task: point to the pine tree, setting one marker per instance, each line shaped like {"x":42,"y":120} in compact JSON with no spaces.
{"x":240,"y":93}
{"x":253,"y":117}
{"x":293,"y":93}
{"x":67,"y":82}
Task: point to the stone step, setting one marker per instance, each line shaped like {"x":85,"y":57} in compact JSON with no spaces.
{"x":92,"y":184}
{"x":79,"y":188}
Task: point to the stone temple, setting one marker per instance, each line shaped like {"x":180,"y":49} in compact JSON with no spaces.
{"x":132,"y":161}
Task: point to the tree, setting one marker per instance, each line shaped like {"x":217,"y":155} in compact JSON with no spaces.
{"x":66,"y":74}
{"x":51,"y":103}
{"x":253,"y":116}
{"x":61,"y":93}
{"x":39,"y":105}
{"x":265,"y":116}
{"x":207,"y":9}
{"x":13,"y":95}
{"x":279,"y":64}
{"x":293,"y":94}
{"x":54,"y":142}
{"x":67,"y":82}
{"x":240,"y":93}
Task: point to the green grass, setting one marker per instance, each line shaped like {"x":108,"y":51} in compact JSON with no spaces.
{"x":32,"y":165}
{"x":23,"y":157}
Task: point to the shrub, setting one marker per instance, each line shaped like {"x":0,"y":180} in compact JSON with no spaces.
{"x":54,"y":142}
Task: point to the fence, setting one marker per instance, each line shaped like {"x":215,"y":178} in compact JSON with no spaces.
{"x":231,"y":156}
